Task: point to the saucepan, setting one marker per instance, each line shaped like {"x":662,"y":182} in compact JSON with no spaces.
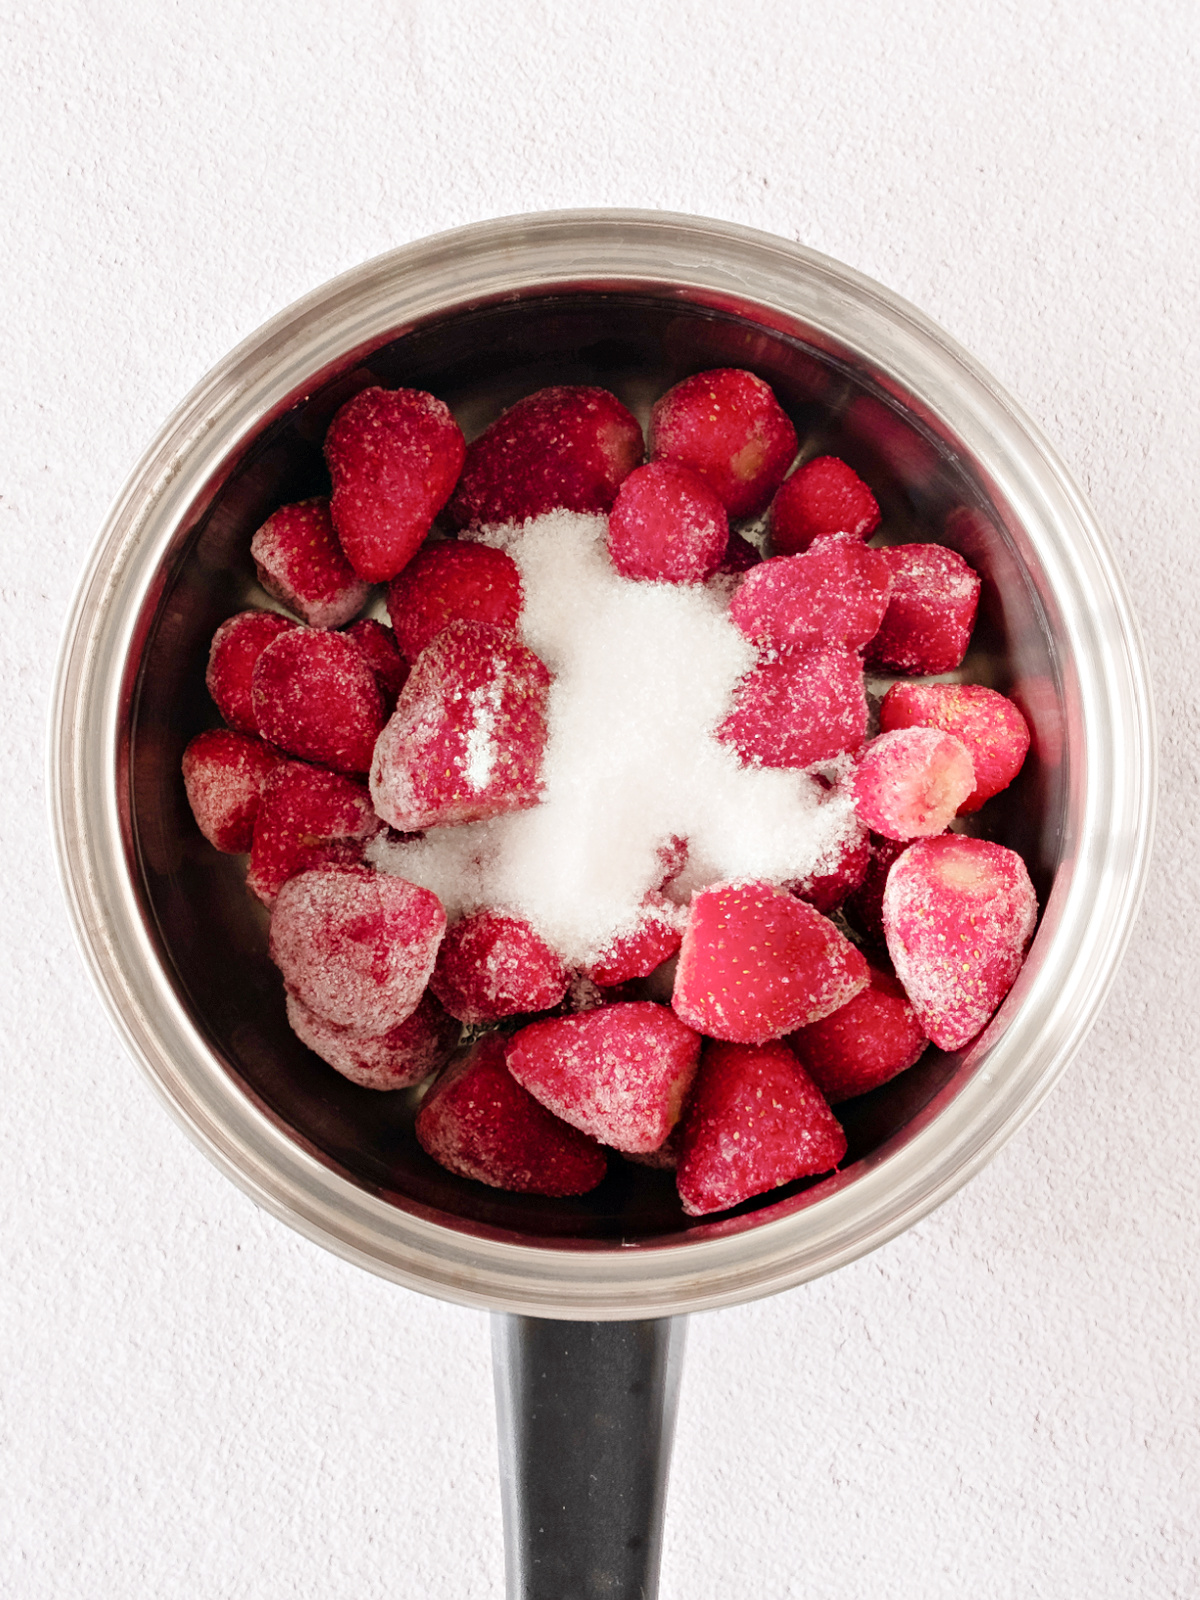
{"x":590,"y":1293}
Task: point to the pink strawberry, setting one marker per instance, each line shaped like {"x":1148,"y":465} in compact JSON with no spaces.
{"x":928,"y":622}
{"x":672,"y":855}
{"x":315,"y":697}
{"x":871,"y":1039}
{"x":909,"y":784}
{"x":492,"y":966}
{"x":727,"y":426}
{"x":865,"y":904}
{"x":477,"y":1121}
{"x":378,"y":645}
{"x":799,"y":708}
{"x":224,"y":773}
{"x":356,"y":946}
{"x":394,"y":456}
{"x":836,"y":594}
{"x":826,"y":888}
{"x":467,"y":737}
{"x":636,"y":953}
{"x":301,"y":563}
{"x":756,"y":964}
{"x":756,"y":1120}
{"x":568,"y":446}
{"x":397,"y":1059}
{"x":958,"y":914}
{"x":309,"y":817}
{"x":667,"y":526}
{"x":993,"y":730}
{"x":236,"y":646}
{"x":824,"y":496}
{"x":619,"y":1073}
{"x":453,"y":582}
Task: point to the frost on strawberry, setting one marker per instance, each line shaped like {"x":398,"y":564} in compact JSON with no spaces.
{"x":825,"y":496}
{"x":491,"y":966}
{"x":931,"y":612}
{"x":909,"y":784}
{"x":755,"y":1120}
{"x":636,"y":952}
{"x":958,"y":914}
{"x":308,"y":817}
{"x":315,"y":696}
{"x":727,"y":426}
{"x":397,"y":1059}
{"x":835,"y":594}
{"x":990,"y":725}
{"x":667,"y":526}
{"x":236,"y":647}
{"x":224,"y":773}
{"x":301,"y":563}
{"x":798,"y":708}
{"x":467,"y":736}
{"x":378,"y":645}
{"x":864,"y":1044}
{"x":452,"y":582}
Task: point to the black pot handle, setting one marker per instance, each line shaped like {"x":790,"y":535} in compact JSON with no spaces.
{"x":586,"y":1414}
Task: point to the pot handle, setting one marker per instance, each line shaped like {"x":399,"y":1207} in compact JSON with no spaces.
{"x":586,"y":1415}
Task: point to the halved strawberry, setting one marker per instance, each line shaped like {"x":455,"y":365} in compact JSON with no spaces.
{"x":909,"y":784}
{"x":801,"y":707}
{"x":931,"y":612}
{"x":835,"y":594}
{"x":992,"y":728}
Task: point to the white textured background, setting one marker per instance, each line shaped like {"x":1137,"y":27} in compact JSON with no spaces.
{"x":195,"y":1402}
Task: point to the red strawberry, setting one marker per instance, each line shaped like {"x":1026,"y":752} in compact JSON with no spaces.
{"x":492,"y":966}
{"x":835,"y":594}
{"x":308,"y":818}
{"x":740,"y":556}
{"x":453,"y":582}
{"x":727,"y":426}
{"x":479,"y":1122}
{"x":569,"y":446}
{"x":300,"y":562}
{"x":393,"y":1060}
{"x":993,"y":730}
{"x":756,"y":964}
{"x":667,"y":526}
{"x":802,"y":707}
{"x":315,"y":696}
{"x":672,"y":854}
{"x":865,"y":903}
{"x":825,"y":889}
{"x":928,"y":622}
{"x":236,"y":646}
{"x":378,"y":645}
{"x":224,"y":773}
{"x":756,"y":1120}
{"x":638,"y":952}
{"x":958,"y":914}
{"x":909,"y":784}
{"x":824,"y":496}
{"x":394,"y":456}
{"x":871,"y":1039}
{"x":468,"y":733}
{"x":620,"y":1073}
{"x":356,"y":946}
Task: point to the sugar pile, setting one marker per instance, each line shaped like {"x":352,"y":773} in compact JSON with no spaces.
{"x":643,"y":674}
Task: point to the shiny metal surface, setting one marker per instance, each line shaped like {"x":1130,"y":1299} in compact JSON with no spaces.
{"x":634,"y":301}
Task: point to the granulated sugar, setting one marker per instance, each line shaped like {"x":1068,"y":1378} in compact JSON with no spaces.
{"x":643,"y":673}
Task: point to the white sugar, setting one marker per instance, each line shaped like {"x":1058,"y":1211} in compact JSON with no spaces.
{"x":643,"y":674}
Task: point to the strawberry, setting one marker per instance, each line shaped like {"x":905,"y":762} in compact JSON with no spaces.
{"x":727,"y":426}
{"x":822,"y":497}
{"x":826,"y":889}
{"x":236,"y":647}
{"x":756,"y":1120}
{"x":301,"y":563}
{"x":309,"y":817}
{"x":740,"y":555}
{"x":315,"y":697}
{"x":637,"y":952}
{"x":619,"y":1073}
{"x":667,"y":526}
{"x":568,"y":446}
{"x":492,"y":966}
{"x":994,"y":731}
{"x":909,"y":784}
{"x":868,"y":1041}
{"x":394,"y":456}
{"x":958,"y":914}
{"x":468,"y":733}
{"x":477,"y":1121}
{"x":378,"y":645}
{"x":865,"y":903}
{"x":397,"y":1059}
{"x":224,"y":773}
{"x":452,"y":582}
{"x":928,"y":622}
{"x":836,"y":594}
{"x":801,"y":707}
{"x":756,"y":964}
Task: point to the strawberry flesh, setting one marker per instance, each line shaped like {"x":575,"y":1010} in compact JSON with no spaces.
{"x":992,"y":728}
{"x":910,"y":783}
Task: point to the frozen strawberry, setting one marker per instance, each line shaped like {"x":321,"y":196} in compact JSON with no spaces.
{"x":394,"y":456}
{"x":993,"y":730}
{"x":756,"y":964}
{"x":958,"y":914}
{"x":756,"y":1120}
{"x":620,"y":1073}
{"x":667,"y":526}
{"x":740,"y":556}
{"x":356,"y":946}
{"x":837,"y":593}
{"x":224,"y":773}
{"x":236,"y":646}
{"x":394,"y":1060}
{"x":315,"y":696}
{"x":865,"y":903}
{"x":301,"y":563}
{"x":378,"y":645}
{"x":826,"y":888}
{"x":672,"y":854}
{"x":452,"y":582}
{"x":309,"y":817}
{"x":468,"y":733}
{"x":727,"y":426}
{"x":568,"y":446}
{"x":871,"y":1039}
{"x":802,"y":707}
{"x":928,"y":622}
{"x":909,"y":784}
{"x":824,"y":496}
{"x":479,"y":1122}
{"x":636,"y":953}
{"x":666,"y":1157}
{"x":492,"y":966}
